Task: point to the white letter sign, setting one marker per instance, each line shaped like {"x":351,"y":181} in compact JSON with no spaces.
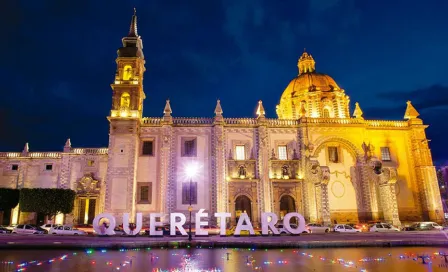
{"x":138,"y":225}
{"x":222,"y":222}
{"x":301,"y":226}
{"x":199,"y":224}
{"x":266,"y":225}
{"x":244,"y":218}
{"x":179,"y":225}
{"x":153,"y":224}
{"x":103,"y":230}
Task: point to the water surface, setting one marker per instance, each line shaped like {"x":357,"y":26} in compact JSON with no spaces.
{"x":200,"y":259}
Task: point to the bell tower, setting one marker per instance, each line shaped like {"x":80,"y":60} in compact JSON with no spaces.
{"x":125,"y":118}
{"x":128,"y":94}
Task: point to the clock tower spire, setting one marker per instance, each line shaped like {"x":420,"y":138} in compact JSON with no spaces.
{"x":125,"y":119}
{"x":128,"y":94}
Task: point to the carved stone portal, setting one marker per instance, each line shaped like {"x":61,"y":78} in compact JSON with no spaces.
{"x":88,"y":185}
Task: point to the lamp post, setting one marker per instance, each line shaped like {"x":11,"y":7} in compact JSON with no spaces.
{"x":191,"y":171}
{"x":190,"y":208}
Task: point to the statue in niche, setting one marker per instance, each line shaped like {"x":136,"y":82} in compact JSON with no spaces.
{"x":125,"y":101}
{"x":285,"y":171}
{"x":128,"y":73}
{"x":242,"y":171}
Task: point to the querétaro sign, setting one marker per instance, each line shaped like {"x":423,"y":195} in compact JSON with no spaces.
{"x":177,"y":220}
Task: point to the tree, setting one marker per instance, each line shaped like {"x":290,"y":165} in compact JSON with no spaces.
{"x":49,"y":202}
{"x":9,"y":198}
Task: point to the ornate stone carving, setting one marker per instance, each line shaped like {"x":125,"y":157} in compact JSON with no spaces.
{"x":368,"y":150}
{"x":88,"y":185}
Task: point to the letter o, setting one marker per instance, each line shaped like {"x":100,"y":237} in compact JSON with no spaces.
{"x":301,"y":226}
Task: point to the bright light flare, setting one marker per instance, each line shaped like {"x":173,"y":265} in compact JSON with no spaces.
{"x":192,"y":169}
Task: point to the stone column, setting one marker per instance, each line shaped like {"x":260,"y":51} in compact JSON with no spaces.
{"x":387,"y":180}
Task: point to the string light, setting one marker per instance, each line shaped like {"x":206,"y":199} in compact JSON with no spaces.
{"x":188,"y":261}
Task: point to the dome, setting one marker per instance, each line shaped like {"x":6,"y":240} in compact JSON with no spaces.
{"x":312,"y":81}
{"x":312,"y":94}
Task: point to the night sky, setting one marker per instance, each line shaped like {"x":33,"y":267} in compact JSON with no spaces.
{"x":58,"y":60}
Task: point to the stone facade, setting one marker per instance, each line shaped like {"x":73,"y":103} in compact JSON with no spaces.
{"x":314,"y":159}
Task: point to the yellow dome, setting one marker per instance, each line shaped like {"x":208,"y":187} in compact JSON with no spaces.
{"x":312,"y":81}
{"x":312,"y":94}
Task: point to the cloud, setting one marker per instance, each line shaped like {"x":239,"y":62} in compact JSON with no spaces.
{"x":435,"y":96}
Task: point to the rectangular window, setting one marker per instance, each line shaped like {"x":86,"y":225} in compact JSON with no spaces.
{"x":385,"y":154}
{"x":48,"y":167}
{"x":282,"y":154}
{"x":240,"y":153}
{"x":186,"y":193}
{"x":144,"y":193}
{"x":90,"y":163}
{"x":189,"y":148}
{"x":333,"y":155}
{"x":14,"y":167}
{"x":148,"y":148}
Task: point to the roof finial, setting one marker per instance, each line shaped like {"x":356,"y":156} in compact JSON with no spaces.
{"x":167,"y":110}
{"x":133,"y":28}
{"x":68,"y":146}
{"x":260,"y":110}
{"x":218,"y":108}
{"x":358,"y":112}
{"x":411,"y":112}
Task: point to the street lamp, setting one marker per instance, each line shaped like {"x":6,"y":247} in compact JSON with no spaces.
{"x":191,"y":171}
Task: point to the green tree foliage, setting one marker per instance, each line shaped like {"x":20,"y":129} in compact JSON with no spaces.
{"x":9,"y":198}
{"x":47,"y":201}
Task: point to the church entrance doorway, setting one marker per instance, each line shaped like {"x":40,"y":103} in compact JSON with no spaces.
{"x":287,"y":205}
{"x":243,"y":205}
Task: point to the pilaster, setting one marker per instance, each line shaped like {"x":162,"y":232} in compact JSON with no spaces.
{"x":166,"y":198}
{"x":265,"y":201}
{"x":387,"y":180}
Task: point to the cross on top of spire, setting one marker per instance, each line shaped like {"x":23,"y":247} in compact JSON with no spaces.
{"x":133,"y":28}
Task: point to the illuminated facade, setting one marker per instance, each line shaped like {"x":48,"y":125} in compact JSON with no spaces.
{"x":315,"y":158}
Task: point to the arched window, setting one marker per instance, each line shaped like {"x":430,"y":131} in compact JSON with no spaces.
{"x":125,"y":100}
{"x":326,"y":113}
{"x":128,"y":72}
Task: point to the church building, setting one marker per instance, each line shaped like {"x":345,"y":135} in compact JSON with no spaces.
{"x":315,"y":158}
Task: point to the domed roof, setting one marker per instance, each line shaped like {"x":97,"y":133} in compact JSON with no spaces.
{"x":312,"y":81}
{"x":308,"y":79}
{"x":314,"y":92}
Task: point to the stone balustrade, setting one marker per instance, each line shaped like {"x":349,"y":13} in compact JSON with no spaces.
{"x":94,"y":151}
{"x":274,"y":122}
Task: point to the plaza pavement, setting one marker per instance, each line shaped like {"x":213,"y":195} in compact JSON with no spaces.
{"x":327,"y":240}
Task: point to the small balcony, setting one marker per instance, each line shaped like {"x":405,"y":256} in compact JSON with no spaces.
{"x":243,"y":170}
{"x":284,"y":169}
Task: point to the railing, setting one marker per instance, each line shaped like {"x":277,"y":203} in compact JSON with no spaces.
{"x":10,"y":154}
{"x":192,"y":121}
{"x":95,"y":151}
{"x":282,"y":122}
{"x":44,"y":154}
{"x":276,"y":122}
{"x":382,"y":123}
{"x":240,"y":121}
{"x":151,"y":120}
{"x":342,"y":121}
